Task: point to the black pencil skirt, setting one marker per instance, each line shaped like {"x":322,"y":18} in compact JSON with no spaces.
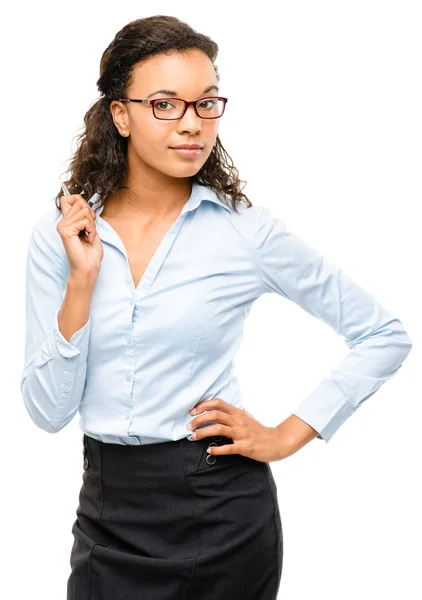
{"x":168,"y":521}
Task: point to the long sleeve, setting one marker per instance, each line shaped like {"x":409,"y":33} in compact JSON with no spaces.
{"x":377,"y":340}
{"x":54,"y":370}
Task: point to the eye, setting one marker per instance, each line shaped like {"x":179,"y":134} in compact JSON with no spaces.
{"x":159,"y":104}
{"x":212,"y":102}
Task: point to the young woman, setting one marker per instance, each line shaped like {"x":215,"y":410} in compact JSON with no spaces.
{"x":135,"y":310}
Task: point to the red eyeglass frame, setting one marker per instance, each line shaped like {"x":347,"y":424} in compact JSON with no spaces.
{"x":187,"y":104}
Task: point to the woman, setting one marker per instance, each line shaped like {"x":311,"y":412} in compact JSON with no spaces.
{"x":135,"y":310}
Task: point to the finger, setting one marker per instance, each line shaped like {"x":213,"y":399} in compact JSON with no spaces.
{"x":76,"y":226}
{"x":79,"y":212}
{"x":80,"y":208}
{"x":91,"y":234}
{"x":214,"y":403}
{"x":224,"y":449}
{"x":74,"y":200}
{"x":215,"y":429}
{"x":91,"y":229}
{"x":216,"y":416}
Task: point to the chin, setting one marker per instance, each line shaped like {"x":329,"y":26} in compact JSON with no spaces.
{"x":186,"y":170}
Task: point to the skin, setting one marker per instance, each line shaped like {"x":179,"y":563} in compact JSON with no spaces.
{"x":250,"y":437}
{"x":158,"y":177}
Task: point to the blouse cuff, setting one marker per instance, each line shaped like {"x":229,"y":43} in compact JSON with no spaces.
{"x":325,"y":409}
{"x":78,"y":343}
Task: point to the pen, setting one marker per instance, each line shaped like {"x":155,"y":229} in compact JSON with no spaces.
{"x":90,"y":202}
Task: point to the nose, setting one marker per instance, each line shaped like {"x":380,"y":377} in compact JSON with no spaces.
{"x":190,"y":119}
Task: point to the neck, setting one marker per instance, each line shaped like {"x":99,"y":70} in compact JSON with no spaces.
{"x":144,"y":199}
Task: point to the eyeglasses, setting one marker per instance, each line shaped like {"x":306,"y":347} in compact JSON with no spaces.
{"x":169,"y":109}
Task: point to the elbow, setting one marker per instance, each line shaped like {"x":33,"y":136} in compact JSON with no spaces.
{"x":395,"y":333}
{"x":46,"y":426}
{"x":405,"y":342}
{"x":401,"y":345}
{"x":37,"y":418}
{"x":37,"y":415}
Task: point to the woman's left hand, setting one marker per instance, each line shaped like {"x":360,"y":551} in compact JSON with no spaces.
{"x":251,"y":438}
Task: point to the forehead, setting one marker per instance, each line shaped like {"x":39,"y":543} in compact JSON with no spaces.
{"x":181,"y":71}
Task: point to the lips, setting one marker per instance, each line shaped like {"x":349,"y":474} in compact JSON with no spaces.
{"x":188,"y":152}
{"x":186,"y":147}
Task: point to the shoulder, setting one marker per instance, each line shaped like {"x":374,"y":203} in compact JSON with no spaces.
{"x":256,"y":222}
{"x":250,"y":220}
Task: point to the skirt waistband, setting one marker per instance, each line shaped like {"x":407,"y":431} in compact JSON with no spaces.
{"x":157,"y":460}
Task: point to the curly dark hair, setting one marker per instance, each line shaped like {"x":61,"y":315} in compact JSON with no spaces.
{"x":100,"y":160}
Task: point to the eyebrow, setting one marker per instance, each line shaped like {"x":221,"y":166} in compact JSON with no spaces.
{"x":173,"y":93}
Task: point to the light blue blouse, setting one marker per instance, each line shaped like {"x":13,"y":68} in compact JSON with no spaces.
{"x":146,"y":356}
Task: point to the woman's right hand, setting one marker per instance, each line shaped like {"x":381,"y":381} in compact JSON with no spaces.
{"x":84,"y":252}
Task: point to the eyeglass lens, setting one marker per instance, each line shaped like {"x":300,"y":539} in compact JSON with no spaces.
{"x":170,"y":108}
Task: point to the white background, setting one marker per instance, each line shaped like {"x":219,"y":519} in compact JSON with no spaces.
{"x":324,"y":123}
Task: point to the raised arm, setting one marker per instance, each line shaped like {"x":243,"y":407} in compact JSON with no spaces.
{"x":55,"y":364}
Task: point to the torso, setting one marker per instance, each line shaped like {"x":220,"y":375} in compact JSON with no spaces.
{"x":140,"y":241}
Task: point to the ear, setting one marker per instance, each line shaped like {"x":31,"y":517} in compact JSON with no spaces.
{"x":120,"y":117}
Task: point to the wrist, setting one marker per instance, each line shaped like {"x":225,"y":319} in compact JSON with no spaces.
{"x":82,"y":281}
{"x":295,"y":433}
